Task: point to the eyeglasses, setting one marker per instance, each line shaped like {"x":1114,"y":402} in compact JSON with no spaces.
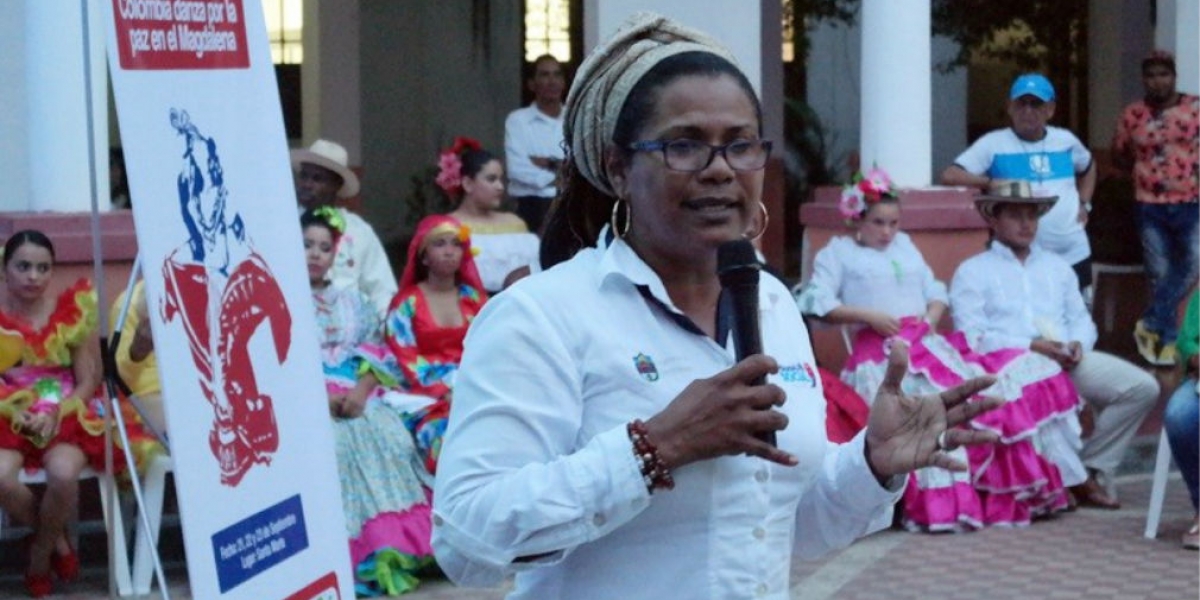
{"x":691,"y":155}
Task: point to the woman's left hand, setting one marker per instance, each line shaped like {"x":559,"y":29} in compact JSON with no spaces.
{"x":905,"y":433}
{"x":353,"y":406}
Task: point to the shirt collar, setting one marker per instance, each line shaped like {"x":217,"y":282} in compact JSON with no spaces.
{"x":1003,"y":251}
{"x":620,"y":262}
{"x":535,"y":114}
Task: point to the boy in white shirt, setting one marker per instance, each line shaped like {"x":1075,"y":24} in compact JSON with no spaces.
{"x":1019,"y":295}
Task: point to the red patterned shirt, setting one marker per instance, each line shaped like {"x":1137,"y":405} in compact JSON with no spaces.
{"x":1163,"y":143}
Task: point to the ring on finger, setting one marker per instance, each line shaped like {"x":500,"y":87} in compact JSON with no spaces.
{"x":941,"y":441}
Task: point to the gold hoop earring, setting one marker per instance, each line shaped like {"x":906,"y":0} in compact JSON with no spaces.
{"x":613,"y":220}
{"x":766,"y":220}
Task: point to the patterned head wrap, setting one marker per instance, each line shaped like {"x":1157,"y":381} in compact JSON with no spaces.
{"x":435,"y":225}
{"x":609,"y":73}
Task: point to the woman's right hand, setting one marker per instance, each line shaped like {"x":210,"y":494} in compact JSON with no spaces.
{"x":41,"y":426}
{"x":722,"y":415}
{"x":883,"y":323}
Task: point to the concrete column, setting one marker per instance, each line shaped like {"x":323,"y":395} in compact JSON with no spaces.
{"x":1119,"y":37}
{"x":1187,"y":46}
{"x":57,"y":109}
{"x":1164,"y":26}
{"x":329,"y":77}
{"x":735,"y":23}
{"x":897,"y":121}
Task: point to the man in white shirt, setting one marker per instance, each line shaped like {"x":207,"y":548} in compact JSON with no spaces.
{"x":323,"y":176}
{"x":533,"y":143}
{"x":1018,"y":295}
{"x":1051,"y":159}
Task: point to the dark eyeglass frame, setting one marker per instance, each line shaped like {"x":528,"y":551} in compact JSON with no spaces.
{"x":663,"y":145}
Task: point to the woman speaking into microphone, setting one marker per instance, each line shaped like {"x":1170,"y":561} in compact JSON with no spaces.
{"x":604,"y":442}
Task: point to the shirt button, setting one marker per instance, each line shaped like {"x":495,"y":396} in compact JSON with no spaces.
{"x":761,"y":590}
{"x":599,"y":520}
{"x":760,"y":475}
{"x":437,"y":520}
{"x":759,"y":533}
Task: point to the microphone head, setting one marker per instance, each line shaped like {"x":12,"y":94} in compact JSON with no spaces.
{"x":737,"y":259}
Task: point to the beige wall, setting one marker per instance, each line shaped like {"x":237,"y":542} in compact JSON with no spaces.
{"x":426,"y":75}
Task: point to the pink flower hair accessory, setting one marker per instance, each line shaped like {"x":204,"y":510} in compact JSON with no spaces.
{"x":449,"y":176}
{"x":863,"y":191}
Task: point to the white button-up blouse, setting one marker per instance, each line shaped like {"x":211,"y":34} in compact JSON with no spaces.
{"x":537,"y":474}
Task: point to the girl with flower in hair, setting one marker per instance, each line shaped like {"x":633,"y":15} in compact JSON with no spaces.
{"x":474,"y":178}
{"x":384,"y":499}
{"x":440,"y":294}
{"x":878,"y":283}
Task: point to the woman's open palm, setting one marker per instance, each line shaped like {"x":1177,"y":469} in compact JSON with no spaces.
{"x":905,"y":433}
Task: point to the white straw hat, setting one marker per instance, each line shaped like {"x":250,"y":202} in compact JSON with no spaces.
{"x":1012,"y":191}
{"x":332,"y":156}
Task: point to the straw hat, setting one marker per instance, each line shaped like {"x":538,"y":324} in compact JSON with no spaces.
{"x":332,"y":156}
{"x":1011,"y":191}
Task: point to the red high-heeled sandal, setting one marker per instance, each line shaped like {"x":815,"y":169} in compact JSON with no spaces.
{"x":38,"y":586}
{"x":65,"y":566}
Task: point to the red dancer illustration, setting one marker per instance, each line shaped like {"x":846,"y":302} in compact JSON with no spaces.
{"x":223,"y":291}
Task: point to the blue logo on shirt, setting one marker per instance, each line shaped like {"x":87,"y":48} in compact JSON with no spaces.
{"x":645,"y":367}
{"x":801,"y":373}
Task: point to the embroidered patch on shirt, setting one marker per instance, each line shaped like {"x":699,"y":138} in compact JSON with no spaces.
{"x":645,"y":367}
{"x":800,"y":373}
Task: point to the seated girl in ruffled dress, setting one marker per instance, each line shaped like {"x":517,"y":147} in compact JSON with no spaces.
{"x":51,"y":409}
{"x":440,"y":294}
{"x":385,"y":501}
{"x":878,"y":284}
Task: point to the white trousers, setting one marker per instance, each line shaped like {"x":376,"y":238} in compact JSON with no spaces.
{"x":1120,"y":394}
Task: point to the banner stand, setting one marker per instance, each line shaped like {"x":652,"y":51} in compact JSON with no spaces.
{"x":112,"y":405}
{"x":231,"y":308}
{"x":112,"y":381}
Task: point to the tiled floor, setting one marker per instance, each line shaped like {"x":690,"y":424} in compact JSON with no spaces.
{"x":1087,"y":554}
{"x":1090,"y":554}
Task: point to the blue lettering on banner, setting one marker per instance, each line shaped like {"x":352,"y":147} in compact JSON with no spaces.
{"x":259,"y":542}
{"x":801,"y":373}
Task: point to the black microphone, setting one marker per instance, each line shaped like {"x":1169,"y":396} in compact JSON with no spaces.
{"x":738,"y":267}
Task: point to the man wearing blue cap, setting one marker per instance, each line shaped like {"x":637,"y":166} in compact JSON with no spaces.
{"x":1051,"y":159}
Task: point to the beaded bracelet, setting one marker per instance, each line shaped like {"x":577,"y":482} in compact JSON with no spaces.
{"x":655,"y":473}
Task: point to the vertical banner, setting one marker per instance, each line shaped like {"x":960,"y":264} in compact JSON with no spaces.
{"x":231,"y":309}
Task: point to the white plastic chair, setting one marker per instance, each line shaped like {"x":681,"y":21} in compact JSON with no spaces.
{"x":1158,"y":489}
{"x":1110,"y":300}
{"x":847,"y":339}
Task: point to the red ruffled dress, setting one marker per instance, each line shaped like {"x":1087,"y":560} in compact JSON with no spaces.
{"x":428,"y":355}
{"x":43,"y":371}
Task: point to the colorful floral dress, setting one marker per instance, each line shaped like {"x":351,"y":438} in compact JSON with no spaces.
{"x":41,"y":370}
{"x":1008,"y":483}
{"x":386,"y":505}
{"x":428,"y":355}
